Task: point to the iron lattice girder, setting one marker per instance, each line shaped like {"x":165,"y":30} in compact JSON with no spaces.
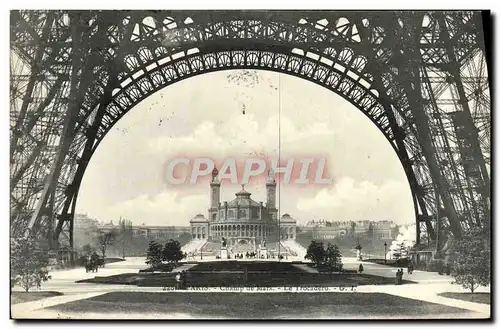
{"x":459,"y":154}
{"x":123,"y":43}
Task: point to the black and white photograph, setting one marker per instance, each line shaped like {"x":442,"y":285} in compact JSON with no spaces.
{"x":250,"y":164}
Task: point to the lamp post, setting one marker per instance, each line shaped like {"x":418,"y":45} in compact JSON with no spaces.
{"x":385,"y":252}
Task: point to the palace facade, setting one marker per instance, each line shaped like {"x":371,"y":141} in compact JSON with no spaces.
{"x":243,"y":220}
{"x":326,"y":230}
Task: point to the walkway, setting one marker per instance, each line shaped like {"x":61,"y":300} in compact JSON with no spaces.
{"x":428,"y":286}
{"x":305,"y":268}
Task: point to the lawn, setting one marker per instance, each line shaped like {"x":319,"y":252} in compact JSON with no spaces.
{"x":389,"y":262}
{"x":113,"y":260}
{"x":17,"y":297}
{"x":237,"y":278}
{"x":242,"y":265}
{"x":478,"y":297}
{"x":259,"y":305}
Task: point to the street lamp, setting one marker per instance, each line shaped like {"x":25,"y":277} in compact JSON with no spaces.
{"x":385,"y":252}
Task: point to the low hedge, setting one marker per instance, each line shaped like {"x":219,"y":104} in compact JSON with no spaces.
{"x":164,"y":267}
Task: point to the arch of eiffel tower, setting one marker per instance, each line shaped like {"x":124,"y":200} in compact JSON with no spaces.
{"x":420,"y":77}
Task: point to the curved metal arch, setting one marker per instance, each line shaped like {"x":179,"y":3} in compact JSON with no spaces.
{"x":169,"y":32}
{"x":359,"y":101}
{"x":316,"y":41}
{"x":319,"y":73}
{"x":385,"y":38}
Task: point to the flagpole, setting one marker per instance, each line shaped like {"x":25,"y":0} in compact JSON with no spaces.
{"x":279,"y":158}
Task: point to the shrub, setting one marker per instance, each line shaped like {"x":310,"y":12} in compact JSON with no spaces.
{"x":473,"y":264}
{"x":435,"y":265}
{"x":316,"y":252}
{"x":172,"y":252}
{"x":28,"y":263}
{"x":155,"y":254}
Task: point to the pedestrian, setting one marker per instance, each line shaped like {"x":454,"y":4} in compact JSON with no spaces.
{"x":397,"y":277}
{"x":401,"y":276}
{"x":360,"y":269}
{"x":184,"y":280}
{"x":409,"y":267}
{"x":178,"y":281}
{"x":447,"y":269}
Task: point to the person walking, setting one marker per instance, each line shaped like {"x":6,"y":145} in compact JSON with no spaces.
{"x":178,"y":281}
{"x":399,"y":276}
{"x":184,"y":280}
{"x":360,"y":269}
{"x":447,"y":269}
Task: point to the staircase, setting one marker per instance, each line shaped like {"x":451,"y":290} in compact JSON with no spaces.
{"x":296,"y":249}
{"x":211,"y":248}
{"x":193,"y":246}
{"x":242,"y":248}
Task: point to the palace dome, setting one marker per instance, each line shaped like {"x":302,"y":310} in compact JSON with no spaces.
{"x":287,"y":218}
{"x":199,"y":218}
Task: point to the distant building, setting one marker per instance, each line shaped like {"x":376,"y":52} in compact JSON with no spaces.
{"x":147,"y":231}
{"x":84,"y":222}
{"x":327,"y":230}
{"x":384,"y":230}
{"x":160,"y":232}
{"x":243,"y":220}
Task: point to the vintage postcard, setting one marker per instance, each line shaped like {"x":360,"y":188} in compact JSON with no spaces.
{"x":250,"y":164}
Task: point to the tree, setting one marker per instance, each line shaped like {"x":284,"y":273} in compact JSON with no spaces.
{"x":104,"y":240}
{"x":316,"y":252}
{"x":87,"y":249}
{"x":184,"y":238}
{"x":172,"y":252}
{"x":125,"y":235}
{"x":155,"y":254}
{"x":28,"y":263}
{"x":139,"y":245}
{"x":353,"y":228}
{"x":473,"y":263}
{"x":333,"y":258}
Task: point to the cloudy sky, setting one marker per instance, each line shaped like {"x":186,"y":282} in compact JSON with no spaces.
{"x":203,"y":116}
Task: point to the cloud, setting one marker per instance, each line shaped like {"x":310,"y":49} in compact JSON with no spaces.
{"x":203,"y":117}
{"x":164,"y":209}
{"x":348,"y":199}
{"x":243,"y":132}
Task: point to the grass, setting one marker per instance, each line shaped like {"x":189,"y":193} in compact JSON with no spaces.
{"x":390,"y":262}
{"x":478,"y":297}
{"x":259,"y":305}
{"x":113,"y":260}
{"x":164,"y":267}
{"x":17,"y":297}
{"x":234,"y":279}
{"x":242,"y":265}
